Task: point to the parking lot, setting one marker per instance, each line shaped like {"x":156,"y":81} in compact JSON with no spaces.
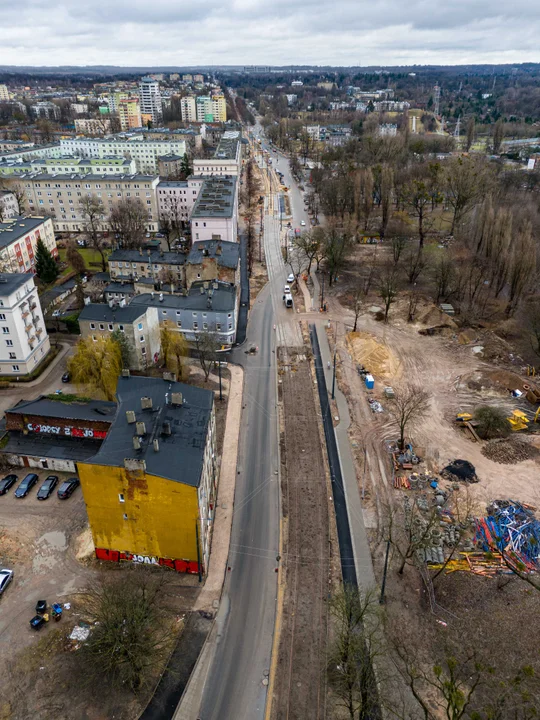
{"x":38,"y":540}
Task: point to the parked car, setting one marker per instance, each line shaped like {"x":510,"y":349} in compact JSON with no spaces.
{"x":26,"y":485}
{"x":287,"y":289}
{"x":56,"y":313}
{"x":290,"y":278}
{"x":67,"y":488}
{"x":302,"y":223}
{"x":6,"y":483}
{"x":66,"y":377}
{"x":6,"y":576}
{"x":47,"y":487}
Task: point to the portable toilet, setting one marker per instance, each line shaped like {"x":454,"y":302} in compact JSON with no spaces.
{"x":370,"y":382}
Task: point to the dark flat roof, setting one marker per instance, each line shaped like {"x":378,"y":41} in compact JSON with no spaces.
{"x":216,"y":197}
{"x":16,"y":227}
{"x":57,"y":446}
{"x":228,"y":255}
{"x":180,"y":455}
{"x":91,"y":410}
{"x":9,"y":282}
{"x":102,"y":312}
{"x":223,"y":298}
{"x":120,"y":287}
{"x":155,"y":256}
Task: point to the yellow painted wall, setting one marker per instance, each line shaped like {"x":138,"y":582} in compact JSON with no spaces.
{"x":161,"y":513}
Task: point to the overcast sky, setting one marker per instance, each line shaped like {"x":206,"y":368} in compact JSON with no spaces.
{"x":270,"y":32}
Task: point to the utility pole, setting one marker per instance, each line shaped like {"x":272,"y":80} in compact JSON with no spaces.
{"x":383,"y":586}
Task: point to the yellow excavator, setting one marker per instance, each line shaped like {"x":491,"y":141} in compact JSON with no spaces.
{"x":519,"y":421}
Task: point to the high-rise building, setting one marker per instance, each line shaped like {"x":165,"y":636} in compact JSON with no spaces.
{"x":204,"y":109}
{"x":150,"y":97}
{"x":130,"y":113}
{"x":188,"y":108}
{"x":219,"y":107}
{"x":4,"y":94}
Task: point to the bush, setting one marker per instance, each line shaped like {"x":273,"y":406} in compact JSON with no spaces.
{"x":492,"y":422}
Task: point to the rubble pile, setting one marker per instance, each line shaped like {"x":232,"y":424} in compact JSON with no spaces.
{"x":509,"y":451}
{"x":460,"y":471}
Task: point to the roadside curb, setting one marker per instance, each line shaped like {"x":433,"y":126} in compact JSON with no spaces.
{"x":47,"y":371}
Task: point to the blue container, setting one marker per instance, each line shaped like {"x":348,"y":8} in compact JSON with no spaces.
{"x":370,"y":382}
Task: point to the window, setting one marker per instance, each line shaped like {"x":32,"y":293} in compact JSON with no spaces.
{"x":121,"y":497}
{"x":230,"y":326}
{"x":143,"y":350}
{"x":179,"y":323}
{"x":125,"y":516}
{"x":205,"y":326}
{"x":121,"y":328}
{"x":111,"y":326}
{"x":94,"y":338}
{"x":195,"y":325}
{"x":141,"y":339}
{"x":218,"y":326}
{"x":15,"y":368}
{"x":139,"y":326}
{"x":5,"y":330}
{"x":2,"y":316}
{"x":12,"y":356}
{"x":101,"y":326}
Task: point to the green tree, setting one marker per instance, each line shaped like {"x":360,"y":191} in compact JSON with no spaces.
{"x":92,"y":211}
{"x":492,"y":422}
{"x":185,"y":167}
{"x":46,"y":267}
{"x":97,"y":364}
{"x":75,"y":259}
{"x":174,"y":349}
{"x":120,"y":338}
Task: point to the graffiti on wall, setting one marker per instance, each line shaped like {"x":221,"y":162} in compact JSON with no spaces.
{"x":69,"y":431}
{"x":184,"y":566}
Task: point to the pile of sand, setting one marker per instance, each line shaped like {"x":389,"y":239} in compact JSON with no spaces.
{"x":373,"y":355}
{"x":433,"y":316}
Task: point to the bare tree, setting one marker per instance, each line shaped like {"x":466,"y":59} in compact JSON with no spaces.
{"x":466,"y":180}
{"x":207,"y":346}
{"x":364,"y":196}
{"x":420,"y":202}
{"x":522,"y":266}
{"x":75,"y":259}
{"x":387,"y":181}
{"x":388,"y":287}
{"x":498,"y":136}
{"x":128,"y":220}
{"x":409,"y":530}
{"x":309,"y":244}
{"x":337,"y":244}
{"x":92,"y":211}
{"x":409,"y":404}
{"x":415,"y":264}
{"x":470,"y":133}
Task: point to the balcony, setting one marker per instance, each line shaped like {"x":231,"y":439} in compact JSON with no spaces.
{"x":39,"y":331}
{"x":29,"y":327}
{"x":32,"y":340}
{"x":25,"y":314}
{"x":33,"y":304}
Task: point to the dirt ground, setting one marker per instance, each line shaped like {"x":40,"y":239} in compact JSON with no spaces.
{"x":300,"y":686}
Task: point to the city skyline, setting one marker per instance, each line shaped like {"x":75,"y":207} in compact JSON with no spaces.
{"x":237,"y":32}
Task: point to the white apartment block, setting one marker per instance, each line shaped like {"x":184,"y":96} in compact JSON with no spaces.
{"x":211,"y":108}
{"x":101,"y":166}
{"x":176,"y":198}
{"x":18,"y":242}
{"x":60,"y":195}
{"x":150,"y":97}
{"x":46,"y":110}
{"x":93,"y":126}
{"x":145,"y":152}
{"x":215,"y":213}
{"x":24,"y":342}
{"x":79,"y":108}
{"x":188,"y":109}
{"x":4,"y":94}
{"x":9,"y":206}
{"x":227,"y":158}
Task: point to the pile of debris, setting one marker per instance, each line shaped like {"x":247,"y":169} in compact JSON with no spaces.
{"x":460,"y":471}
{"x":512,"y":529}
{"x":509,"y":451}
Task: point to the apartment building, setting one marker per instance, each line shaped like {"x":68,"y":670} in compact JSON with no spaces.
{"x":139,"y":324}
{"x":4,"y":94}
{"x":93,"y":126}
{"x":144,"y":151}
{"x":198,"y":78}
{"x":219,"y":107}
{"x":132,"y":265}
{"x":24,"y":340}
{"x":227,"y":157}
{"x":188,"y":109}
{"x":211,"y":108}
{"x":129,"y":110}
{"x":59,"y":195}
{"x":79,"y":108}
{"x":208,"y":307}
{"x":176,"y":198}
{"x":150,"y":99}
{"x":18,"y":242}
{"x":213,"y":260}
{"x":46,"y":109}
{"x":9,"y":206}
{"x":151,"y":489}
{"x":215,"y":213}
{"x":74,"y":164}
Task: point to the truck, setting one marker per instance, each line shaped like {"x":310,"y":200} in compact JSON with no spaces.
{"x":287,"y":299}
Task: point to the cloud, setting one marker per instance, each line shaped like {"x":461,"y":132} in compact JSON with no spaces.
{"x":282,"y":32}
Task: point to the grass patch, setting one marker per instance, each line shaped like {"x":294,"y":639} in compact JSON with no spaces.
{"x":92,"y":258}
{"x":68,"y":398}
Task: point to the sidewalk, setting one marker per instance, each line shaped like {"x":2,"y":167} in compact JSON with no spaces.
{"x":362,"y":554}
{"x":209,"y":597}
{"x":65,"y":347}
{"x":308,"y":301}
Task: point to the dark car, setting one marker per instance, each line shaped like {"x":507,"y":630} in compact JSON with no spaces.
{"x":47,"y":487}
{"x":66,"y":377}
{"x":26,"y":485}
{"x":66,"y":488}
{"x":6,"y":483}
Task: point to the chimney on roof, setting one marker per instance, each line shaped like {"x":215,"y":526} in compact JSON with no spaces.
{"x":160,"y":297}
{"x":141,"y":428}
{"x":218,"y":249}
{"x":125,"y":372}
{"x":146,"y":403}
{"x":136,"y":443}
{"x":176,"y":398}
{"x":156,"y":445}
{"x":130,"y":415}
{"x":140,"y":251}
{"x":169,"y":376}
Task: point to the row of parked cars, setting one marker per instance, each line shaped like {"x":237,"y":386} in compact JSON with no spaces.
{"x":47,"y":486}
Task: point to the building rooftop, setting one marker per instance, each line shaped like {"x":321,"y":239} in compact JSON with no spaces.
{"x":227,"y":148}
{"x":102,"y":312}
{"x":16,"y":227}
{"x":170,"y":158}
{"x":203,"y":295}
{"x":172,"y":183}
{"x":226,"y":253}
{"x":9,"y":282}
{"x":216,"y":198}
{"x":151,"y":257}
{"x":57,"y":446}
{"x":120,"y":287}
{"x":101,"y":410}
{"x":88,"y":176}
{"x":181,"y":453}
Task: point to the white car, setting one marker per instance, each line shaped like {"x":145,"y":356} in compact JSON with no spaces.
{"x":290,"y":278}
{"x":6,"y":576}
{"x":303,"y":223}
{"x":286,"y":289}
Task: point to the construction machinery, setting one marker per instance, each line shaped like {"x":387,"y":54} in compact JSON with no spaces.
{"x":519,"y":421}
{"x":466,"y":420}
